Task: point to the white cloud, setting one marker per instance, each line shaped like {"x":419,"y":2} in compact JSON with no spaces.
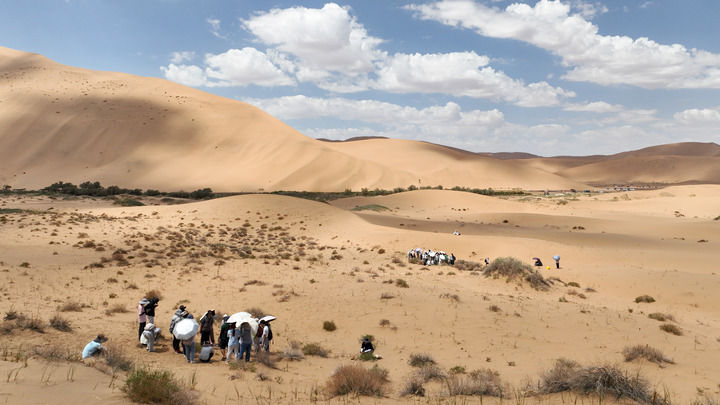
{"x":215,"y":27}
{"x":324,"y":41}
{"x":242,"y":67}
{"x":596,"y":107}
{"x":182,"y":56}
{"x":588,"y":10}
{"x":189,"y":75}
{"x":591,"y":57}
{"x":695,"y":116}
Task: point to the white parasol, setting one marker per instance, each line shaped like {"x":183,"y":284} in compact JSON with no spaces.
{"x":240,"y":317}
{"x":268,"y":318}
{"x":185,"y":329}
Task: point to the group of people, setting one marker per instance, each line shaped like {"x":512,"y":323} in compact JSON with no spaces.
{"x":538,"y":263}
{"x":430,"y":257}
{"x":233,"y":340}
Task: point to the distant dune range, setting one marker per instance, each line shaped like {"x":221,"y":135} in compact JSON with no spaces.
{"x":64,"y":123}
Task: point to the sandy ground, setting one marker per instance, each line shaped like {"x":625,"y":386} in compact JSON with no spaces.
{"x":314,"y":262}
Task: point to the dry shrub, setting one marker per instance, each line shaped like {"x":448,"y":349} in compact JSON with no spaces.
{"x":413,"y":386}
{"x":293,"y":351}
{"x":33,"y":323}
{"x":267,"y":360}
{"x":154,"y":293}
{"x":494,"y":308}
{"x":116,"y":309}
{"x":644,"y":298}
{"x":357,"y":380}
{"x":117,"y":359}
{"x":478,"y":382}
{"x":256,"y":312}
{"x":60,"y":323}
{"x":386,"y":296}
{"x":402,"y":283}
{"x":314,"y":349}
{"x":568,"y":375}
{"x":670,"y":328}
{"x":421,"y":360}
{"x":658,"y":316}
{"x":511,"y":269}
{"x":646,"y":352}
{"x":329,"y":326}
{"x":156,"y":387}
{"x":466,"y":265}
{"x":53,"y":351}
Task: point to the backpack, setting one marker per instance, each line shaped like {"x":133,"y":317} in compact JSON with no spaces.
{"x":269,"y":333}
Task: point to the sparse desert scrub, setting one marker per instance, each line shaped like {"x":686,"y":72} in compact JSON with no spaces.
{"x":154,"y":293}
{"x":466,"y":265}
{"x":494,"y":308}
{"x":116,"y":309}
{"x":53,"y":351}
{"x":70,"y":306}
{"x":568,"y":375}
{"x":658,"y":316}
{"x":329,"y":326}
{"x":357,"y":380}
{"x":256,"y":312}
{"x":401,"y":283}
{"x":644,"y":298}
{"x":511,"y":269}
{"x":477,"y":382}
{"x":453,"y":297}
{"x":420,"y":360}
{"x":155,"y":386}
{"x":414,"y":385}
{"x":386,"y":296}
{"x":646,"y":352}
{"x":314,"y":349}
{"x":60,"y":323}
{"x":293,"y":351}
{"x":117,"y":358}
{"x":670,"y":328}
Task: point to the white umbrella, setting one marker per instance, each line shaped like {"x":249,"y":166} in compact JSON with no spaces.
{"x":240,"y":317}
{"x":268,"y":318}
{"x":185,"y":329}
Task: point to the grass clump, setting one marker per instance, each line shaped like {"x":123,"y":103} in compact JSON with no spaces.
{"x":644,"y":298}
{"x":511,"y":269}
{"x":370,"y":207}
{"x":256,"y":312}
{"x":314,"y":349}
{"x":116,"y":309}
{"x":568,"y":375}
{"x":357,"y":380}
{"x":60,"y":323}
{"x":70,"y":306}
{"x":646,"y":352}
{"x":154,"y":293}
{"x":402,"y":283}
{"x":670,"y":328}
{"x":117,"y":359}
{"x":155,"y":387}
{"x":477,"y":382}
{"x":329,"y":326}
{"x":421,"y":360}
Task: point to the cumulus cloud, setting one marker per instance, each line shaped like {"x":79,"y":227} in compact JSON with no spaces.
{"x":695,"y":116}
{"x":595,"y":106}
{"x":591,"y":57}
{"x":182,"y":56}
{"x":189,"y":75}
{"x":215,"y":27}
{"x":587,"y":9}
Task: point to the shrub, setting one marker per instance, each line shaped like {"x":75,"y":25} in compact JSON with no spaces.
{"x":60,"y":323}
{"x":494,"y":308}
{"x":117,"y":359}
{"x":477,"y":382}
{"x":670,"y":328}
{"x":70,"y":306}
{"x":256,"y":312}
{"x":644,"y":298}
{"x":153,"y":386}
{"x":573,"y":284}
{"x":645,"y":352}
{"x":401,"y":283}
{"x":329,"y":326}
{"x":116,"y":309}
{"x":367,"y":356}
{"x":54,"y":352}
{"x":34,"y":324}
{"x":465,"y":265}
{"x":293,"y":351}
{"x":420,"y":360}
{"x":511,"y":269}
{"x":314,"y":349}
{"x":357,"y":380}
{"x":154,"y":293}
{"x":661,"y":317}
{"x":413,"y":386}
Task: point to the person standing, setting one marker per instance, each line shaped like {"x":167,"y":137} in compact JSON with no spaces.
{"x":257,"y":339}
{"x":557,"y":261}
{"x":142,"y":317}
{"x":245,"y":340}
{"x":175,"y":319}
{"x":206,"y":327}
{"x":233,"y":335}
{"x":189,"y":348}
{"x":223,"y":337}
{"x":266,"y":336}
{"x":150,"y":309}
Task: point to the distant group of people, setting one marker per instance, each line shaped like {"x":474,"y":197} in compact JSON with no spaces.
{"x":430,"y":257}
{"x":538,"y":263}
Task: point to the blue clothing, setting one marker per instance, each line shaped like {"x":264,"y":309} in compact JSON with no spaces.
{"x":189,"y":352}
{"x":245,"y":349}
{"x":91,"y":349}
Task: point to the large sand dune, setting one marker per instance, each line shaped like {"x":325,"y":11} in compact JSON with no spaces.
{"x":60,"y":123}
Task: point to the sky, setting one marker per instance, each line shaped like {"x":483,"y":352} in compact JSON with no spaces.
{"x":548,"y":77}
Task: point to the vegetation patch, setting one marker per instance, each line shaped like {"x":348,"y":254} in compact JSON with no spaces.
{"x":155,"y":387}
{"x":370,"y":207}
{"x":329,"y":326}
{"x":357,"y":380}
{"x":483,"y":382}
{"x":658,"y":316}
{"x":644,"y":298}
{"x":670,"y":328}
{"x":314,"y":349}
{"x":511,"y":269}
{"x":646,"y":352}
{"x":421,"y":360}
{"x":60,"y":323}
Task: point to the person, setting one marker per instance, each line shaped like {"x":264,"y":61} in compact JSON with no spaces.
{"x":150,"y":334}
{"x":245,"y":341}
{"x":557,"y":261}
{"x":142,"y":317}
{"x":538,"y":262}
{"x":366,"y":346}
{"x":257,"y":339}
{"x":451,"y":259}
{"x":223,"y":337}
{"x":206,"y":327}
{"x":150,"y":309}
{"x":95,"y":347}
{"x":233,"y":334}
{"x":487,"y":261}
{"x":206,"y":352}
{"x":175,"y":319}
{"x":266,"y":336}
{"x":189,"y":349}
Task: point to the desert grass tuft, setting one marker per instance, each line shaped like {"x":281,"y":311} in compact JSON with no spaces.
{"x":155,"y":387}
{"x":483,"y":382}
{"x":644,"y":299}
{"x":357,"y":380}
{"x":329,"y":326}
{"x":70,"y":306}
{"x":154,"y":293}
{"x":511,"y":269}
{"x":60,"y":323}
{"x":670,"y":328}
{"x":646,"y":352}
{"x":256,"y":312}
{"x":420,"y":360}
{"x":658,"y":316}
{"x":314,"y":349}
{"x":293,"y":351}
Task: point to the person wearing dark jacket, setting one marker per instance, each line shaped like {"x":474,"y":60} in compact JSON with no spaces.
{"x":206,"y":327}
{"x":150,"y":309}
{"x":223,"y":338}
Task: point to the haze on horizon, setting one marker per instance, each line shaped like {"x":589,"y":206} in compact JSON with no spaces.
{"x":544,"y":77}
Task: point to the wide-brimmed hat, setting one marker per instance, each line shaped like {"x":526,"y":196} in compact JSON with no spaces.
{"x":182,"y":307}
{"x":101,"y":338}
{"x":225,"y":317}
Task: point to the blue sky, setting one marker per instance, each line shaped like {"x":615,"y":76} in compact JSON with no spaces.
{"x":547,"y":77}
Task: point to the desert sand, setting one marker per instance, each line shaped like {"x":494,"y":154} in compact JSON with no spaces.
{"x":89,"y":261}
